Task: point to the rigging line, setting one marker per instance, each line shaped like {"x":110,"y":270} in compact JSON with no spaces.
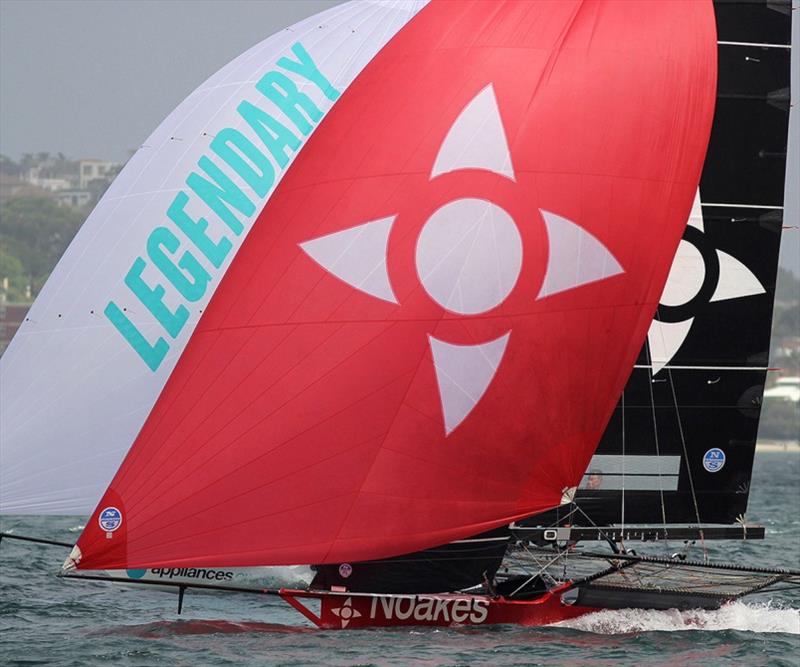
{"x":708,"y":368}
{"x":556,"y":523}
{"x":425,"y":559}
{"x":688,"y":467}
{"x":35,"y":540}
{"x":655,"y":435}
{"x":545,"y":557}
{"x":560,"y":519}
{"x":622,"y":508}
{"x":602,"y":532}
{"x":542,"y":570}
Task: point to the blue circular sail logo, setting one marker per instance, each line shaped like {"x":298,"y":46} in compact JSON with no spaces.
{"x":110,"y":519}
{"x":714,"y":459}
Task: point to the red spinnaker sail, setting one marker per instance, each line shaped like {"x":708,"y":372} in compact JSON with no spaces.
{"x":425,"y":332}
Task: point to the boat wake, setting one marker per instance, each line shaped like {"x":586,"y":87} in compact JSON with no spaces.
{"x":159,"y":629}
{"x":734,"y":616}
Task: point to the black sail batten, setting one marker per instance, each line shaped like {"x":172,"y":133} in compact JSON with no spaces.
{"x":707,"y":397}
{"x":451,"y":567}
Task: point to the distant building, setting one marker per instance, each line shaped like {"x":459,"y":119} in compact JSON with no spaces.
{"x":74,"y":183}
{"x":785,"y":389}
{"x":91,"y":170}
{"x":11,"y":186}
{"x":51,"y":184}
{"x":73,"y":198}
{"x":50,"y":173}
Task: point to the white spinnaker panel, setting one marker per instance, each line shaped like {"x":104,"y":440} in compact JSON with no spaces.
{"x":73,"y":393}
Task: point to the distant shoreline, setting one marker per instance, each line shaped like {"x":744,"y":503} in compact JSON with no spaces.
{"x":778,"y":446}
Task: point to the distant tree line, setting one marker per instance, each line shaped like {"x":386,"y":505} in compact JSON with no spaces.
{"x":34,"y":229}
{"x":34,"y":233}
{"x":786,"y":317}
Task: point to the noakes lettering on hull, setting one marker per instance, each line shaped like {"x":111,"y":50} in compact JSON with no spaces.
{"x":436,"y":610}
{"x":257,"y":165}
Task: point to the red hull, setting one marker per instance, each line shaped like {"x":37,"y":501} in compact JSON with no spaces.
{"x":339,"y":610}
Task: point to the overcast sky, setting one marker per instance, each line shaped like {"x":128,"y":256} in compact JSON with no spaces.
{"x":93,"y":79}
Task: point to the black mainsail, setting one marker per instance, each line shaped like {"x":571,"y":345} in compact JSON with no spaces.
{"x":679,"y":447}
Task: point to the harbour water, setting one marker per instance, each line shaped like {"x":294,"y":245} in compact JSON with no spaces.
{"x":45,"y":620}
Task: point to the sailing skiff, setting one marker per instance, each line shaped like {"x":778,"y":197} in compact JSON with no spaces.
{"x":378,"y":299}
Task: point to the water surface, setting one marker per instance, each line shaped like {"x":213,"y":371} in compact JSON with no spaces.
{"x":45,"y":620}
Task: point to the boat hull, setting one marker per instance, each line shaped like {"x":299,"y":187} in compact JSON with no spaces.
{"x":345,"y":610}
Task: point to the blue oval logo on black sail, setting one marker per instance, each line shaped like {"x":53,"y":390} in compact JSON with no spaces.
{"x":714,"y":459}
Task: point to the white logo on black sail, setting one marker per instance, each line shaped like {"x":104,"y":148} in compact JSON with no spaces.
{"x":700,"y":274}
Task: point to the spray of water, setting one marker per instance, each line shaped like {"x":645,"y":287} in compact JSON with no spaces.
{"x":734,"y":616}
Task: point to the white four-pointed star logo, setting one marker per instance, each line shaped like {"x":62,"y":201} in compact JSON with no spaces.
{"x":468,"y":256}
{"x":346,"y":613}
{"x":715,"y":276}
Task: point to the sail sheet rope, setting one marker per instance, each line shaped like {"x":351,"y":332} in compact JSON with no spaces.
{"x":655,"y":436}
{"x":622,"y":501}
{"x":688,"y":467}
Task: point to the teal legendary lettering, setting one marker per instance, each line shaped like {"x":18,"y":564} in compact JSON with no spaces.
{"x":195,"y":231}
{"x":275,"y":135}
{"x":281,"y":91}
{"x":305,"y":67}
{"x":151,"y":354}
{"x":245,"y":159}
{"x":219,"y":194}
{"x":153,"y":299}
{"x":258,"y":169}
{"x":162,"y":239}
